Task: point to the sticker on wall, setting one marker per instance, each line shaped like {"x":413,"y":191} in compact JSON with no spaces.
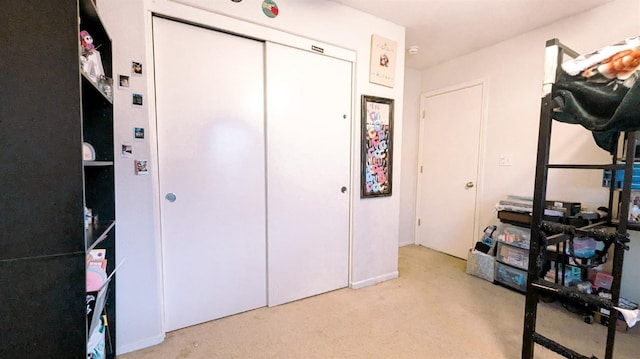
{"x":136,"y":100}
{"x":138,"y":133}
{"x":127,"y":150}
{"x":270,"y":8}
{"x":123,"y":82}
{"x":141,"y":167}
{"x":136,"y":68}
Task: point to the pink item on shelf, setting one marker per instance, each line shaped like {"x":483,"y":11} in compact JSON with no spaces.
{"x":96,"y":278}
{"x":86,"y":40}
{"x":602,"y":280}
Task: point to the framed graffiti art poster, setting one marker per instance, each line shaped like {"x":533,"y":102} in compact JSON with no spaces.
{"x":377,"y":146}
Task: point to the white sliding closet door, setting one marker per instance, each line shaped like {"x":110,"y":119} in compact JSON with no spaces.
{"x":308,"y":161}
{"x":210,"y":122}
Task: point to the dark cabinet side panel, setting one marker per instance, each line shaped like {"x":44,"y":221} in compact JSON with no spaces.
{"x":40,"y":130}
{"x":42,"y":311}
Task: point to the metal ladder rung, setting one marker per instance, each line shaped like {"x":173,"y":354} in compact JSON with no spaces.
{"x":562,"y":237}
{"x":573,"y":293}
{"x":558,"y":348}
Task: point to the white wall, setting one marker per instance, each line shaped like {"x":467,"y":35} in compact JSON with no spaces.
{"x":375,"y":222}
{"x":410,"y":139}
{"x":138,"y":285}
{"x":515,"y":71}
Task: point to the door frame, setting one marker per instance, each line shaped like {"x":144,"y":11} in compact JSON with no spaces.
{"x":484,"y":82}
{"x":222,"y":23}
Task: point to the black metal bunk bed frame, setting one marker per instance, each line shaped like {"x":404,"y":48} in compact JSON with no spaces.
{"x":555,"y":52}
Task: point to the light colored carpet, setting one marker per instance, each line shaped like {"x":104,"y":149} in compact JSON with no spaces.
{"x":433,"y":310}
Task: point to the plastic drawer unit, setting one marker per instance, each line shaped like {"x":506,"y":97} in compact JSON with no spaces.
{"x":511,"y":277}
{"x":512,"y":255}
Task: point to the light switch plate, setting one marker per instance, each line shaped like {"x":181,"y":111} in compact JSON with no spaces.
{"x":505,"y":160}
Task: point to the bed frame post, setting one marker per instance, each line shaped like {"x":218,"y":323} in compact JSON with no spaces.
{"x":531,"y":304}
{"x":554,"y":53}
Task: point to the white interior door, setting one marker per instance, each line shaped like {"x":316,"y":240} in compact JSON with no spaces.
{"x":450,"y":142}
{"x":211,"y":148}
{"x":308,"y":162}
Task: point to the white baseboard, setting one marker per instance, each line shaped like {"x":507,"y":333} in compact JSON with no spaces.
{"x":370,"y":281}
{"x":140,"y":344}
{"x":402,"y":244}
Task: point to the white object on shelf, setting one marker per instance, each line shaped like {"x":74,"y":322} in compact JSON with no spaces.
{"x":92,"y":65}
{"x":88,"y":152}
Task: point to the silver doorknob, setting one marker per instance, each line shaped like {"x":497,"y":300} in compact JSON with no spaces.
{"x":469,"y":184}
{"x":170,"y":197}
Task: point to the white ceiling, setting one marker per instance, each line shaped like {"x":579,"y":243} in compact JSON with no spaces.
{"x":446,"y":29}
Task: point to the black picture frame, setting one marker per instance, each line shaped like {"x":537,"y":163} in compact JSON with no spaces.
{"x":376,"y":146}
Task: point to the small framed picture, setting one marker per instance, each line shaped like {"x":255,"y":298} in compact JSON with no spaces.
{"x":136,"y":68}
{"x":141,"y":167}
{"x":382,"y":68}
{"x":136,"y":100}
{"x":138,"y":133}
{"x":127,"y":150}
{"x":123,"y":82}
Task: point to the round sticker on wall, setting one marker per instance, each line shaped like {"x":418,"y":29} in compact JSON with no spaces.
{"x":270,"y":8}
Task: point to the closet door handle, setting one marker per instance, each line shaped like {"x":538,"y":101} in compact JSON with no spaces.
{"x":170,"y":197}
{"x":343,"y":189}
{"x":469,"y":184}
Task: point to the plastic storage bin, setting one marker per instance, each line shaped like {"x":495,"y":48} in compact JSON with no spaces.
{"x":512,"y":255}
{"x":584,"y":247}
{"x":602,"y":280}
{"x":572,"y":274}
{"x":514,"y":235}
{"x":511,"y":277}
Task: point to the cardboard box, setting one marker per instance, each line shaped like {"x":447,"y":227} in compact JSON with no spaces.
{"x":621,"y":325}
